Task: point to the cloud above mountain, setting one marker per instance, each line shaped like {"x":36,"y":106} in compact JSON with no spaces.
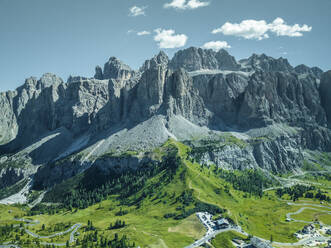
{"x":216,"y":45}
{"x":137,"y":11}
{"x":167,"y":38}
{"x":260,"y":29}
{"x":186,"y":4}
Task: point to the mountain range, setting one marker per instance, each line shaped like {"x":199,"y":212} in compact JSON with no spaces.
{"x":259,"y":113}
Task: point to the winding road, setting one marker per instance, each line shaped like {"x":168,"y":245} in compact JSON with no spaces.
{"x":211,"y":233}
{"x":73,"y":229}
{"x":291,"y":181}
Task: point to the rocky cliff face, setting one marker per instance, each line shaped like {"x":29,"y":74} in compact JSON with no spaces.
{"x":193,"y":59}
{"x":303,"y":69}
{"x":265,"y":63}
{"x":114,"y":69}
{"x":197,"y":94}
{"x":325,"y":92}
{"x":44,"y":105}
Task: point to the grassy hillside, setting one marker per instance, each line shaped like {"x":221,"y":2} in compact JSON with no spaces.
{"x":158,"y":203}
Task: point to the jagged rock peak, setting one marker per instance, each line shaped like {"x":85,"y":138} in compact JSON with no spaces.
{"x":317,"y":71}
{"x":98,"y":73}
{"x":193,"y":59}
{"x":29,"y":83}
{"x":226,"y":61}
{"x":46,"y":80}
{"x":265,"y":63}
{"x":114,"y":69}
{"x":158,"y":60}
{"x":303,"y":69}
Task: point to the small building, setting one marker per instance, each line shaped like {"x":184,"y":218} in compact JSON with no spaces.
{"x":258,"y":243}
{"x":222,"y":223}
{"x":288,"y":219}
{"x":308,"y":229}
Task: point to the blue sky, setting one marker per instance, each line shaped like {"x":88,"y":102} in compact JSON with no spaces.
{"x":72,"y":37}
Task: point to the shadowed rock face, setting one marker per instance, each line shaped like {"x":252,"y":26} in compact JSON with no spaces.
{"x":325,"y":91}
{"x":41,"y":106}
{"x":283,"y":98}
{"x":46,"y":118}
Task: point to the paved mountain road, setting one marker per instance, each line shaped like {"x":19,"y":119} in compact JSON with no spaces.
{"x":73,"y":229}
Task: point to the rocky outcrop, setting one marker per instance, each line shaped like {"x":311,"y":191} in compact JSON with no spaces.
{"x":276,"y":154}
{"x":280,"y":97}
{"x":114,"y":69}
{"x":13,"y":104}
{"x":193,"y":59}
{"x":281,"y":154}
{"x":181,"y":98}
{"x":51,"y":104}
{"x":13,"y":169}
{"x":10,"y":176}
{"x":159,"y":60}
{"x":8,"y":121}
{"x":303,"y":69}
{"x":265,"y":63}
{"x":222,"y":94}
{"x":98,"y":73}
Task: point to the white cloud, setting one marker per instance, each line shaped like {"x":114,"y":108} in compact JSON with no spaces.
{"x":253,"y":29}
{"x":194,"y":4}
{"x":248,"y":29}
{"x":167,"y":38}
{"x":137,"y":11}
{"x":216,"y":45}
{"x":280,"y":28}
{"x":141,"y":33}
{"x":186,"y":4}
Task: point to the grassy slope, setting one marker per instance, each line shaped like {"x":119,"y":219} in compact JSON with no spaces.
{"x":8,"y":213}
{"x":148,"y":228}
{"x":259,"y":216}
